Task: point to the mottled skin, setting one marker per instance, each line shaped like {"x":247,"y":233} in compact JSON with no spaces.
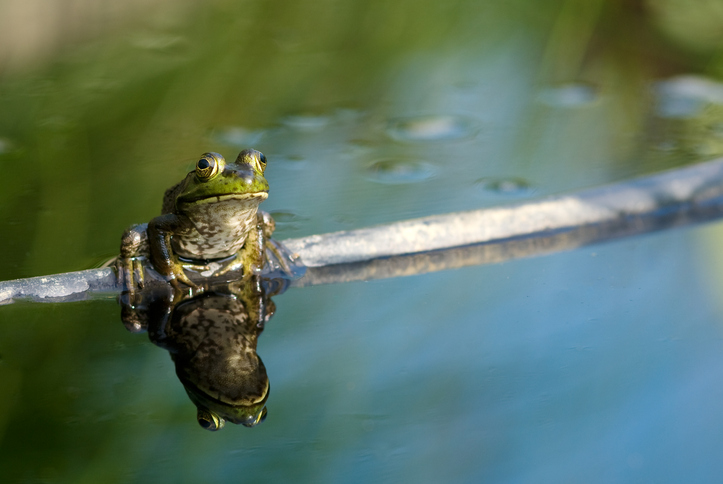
{"x":212,"y":340}
{"x":211,"y":214}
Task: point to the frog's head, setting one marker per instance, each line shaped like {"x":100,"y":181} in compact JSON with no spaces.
{"x":213,"y":413}
{"x":225,"y":382}
{"x":210,"y":420}
{"x":215,"y":181}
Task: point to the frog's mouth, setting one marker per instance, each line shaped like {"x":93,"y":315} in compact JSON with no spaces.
{"x":260,"y":196}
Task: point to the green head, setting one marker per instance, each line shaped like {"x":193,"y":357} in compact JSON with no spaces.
{"x":212,"y":413}
{"x":214,"y":180}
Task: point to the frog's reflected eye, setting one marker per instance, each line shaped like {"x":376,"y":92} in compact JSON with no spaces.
{"x":209,"y":165}
{"x":254,"y":420}
{"x":209,"y":420}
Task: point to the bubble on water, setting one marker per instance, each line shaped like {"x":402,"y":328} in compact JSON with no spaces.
{"x":686,"y":96}
{"x":431,"y":128}
{"x":306,"y":122}
{"x":399,"y":170}
{"x":237,"y":136}
{"x":568,"y":95}
{"x":513,"y":187}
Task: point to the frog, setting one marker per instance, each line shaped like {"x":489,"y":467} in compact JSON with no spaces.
{"x":212,"y":338}
{"x":211,"y":215}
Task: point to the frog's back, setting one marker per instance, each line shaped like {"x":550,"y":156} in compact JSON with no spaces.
{"x":169,"y":199}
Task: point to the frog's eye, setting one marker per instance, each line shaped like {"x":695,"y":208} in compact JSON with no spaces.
{"x":209,"y":420}
{"x":254,"y":420}
{"x":209,"y":165}
{"x":254,"y":158}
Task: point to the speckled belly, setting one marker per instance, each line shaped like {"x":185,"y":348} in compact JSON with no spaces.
{"x":220,"y":229}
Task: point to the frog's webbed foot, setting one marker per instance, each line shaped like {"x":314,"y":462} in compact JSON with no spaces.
{"x":261,"y":254}
{"x":240,"y":260}
{"x":178,"y":275}
{"x":277,"y":254}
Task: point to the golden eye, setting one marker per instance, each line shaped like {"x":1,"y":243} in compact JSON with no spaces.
{"x":254,"y":420}
{"x":209,"y":165}
{"x":254,"y":158}
{"x":209,"y":420}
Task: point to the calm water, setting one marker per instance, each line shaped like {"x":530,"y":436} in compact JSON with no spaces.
{"x":599,"y":365}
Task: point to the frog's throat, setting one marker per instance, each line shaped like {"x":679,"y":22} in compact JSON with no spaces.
{"x":261,"y":196}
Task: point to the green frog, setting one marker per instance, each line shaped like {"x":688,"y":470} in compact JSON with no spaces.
{"x":210,"y":215}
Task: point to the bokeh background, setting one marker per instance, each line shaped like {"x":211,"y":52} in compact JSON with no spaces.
{"x":599,"y":365}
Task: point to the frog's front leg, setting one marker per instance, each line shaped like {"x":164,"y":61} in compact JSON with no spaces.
{"x":267,"y":222}
{"x":280,"y":254}
{"x":133,"y":249}
{"x":160,"y":231}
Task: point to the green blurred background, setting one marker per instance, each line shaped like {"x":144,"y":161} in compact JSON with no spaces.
{"x":369,"y":112}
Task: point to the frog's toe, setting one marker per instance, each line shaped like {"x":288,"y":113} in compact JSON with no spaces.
{"x":181,"y":276}
{"x":130,"y":273}
{"x":137,"y":273}
{"x":235,"y":264}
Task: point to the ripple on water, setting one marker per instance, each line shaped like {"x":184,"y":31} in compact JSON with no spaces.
{"x":686,"y":96}
{"x":431,"y":128}
{"x":306,"y":122}
{"x":511,"y":187}
{"x":237,"y":136}
{"x":399,"y":170}
{"x":574,"y":95}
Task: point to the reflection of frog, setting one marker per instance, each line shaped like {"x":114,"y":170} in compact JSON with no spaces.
{"x":210,"y":215}
{"x":212,"y":341}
